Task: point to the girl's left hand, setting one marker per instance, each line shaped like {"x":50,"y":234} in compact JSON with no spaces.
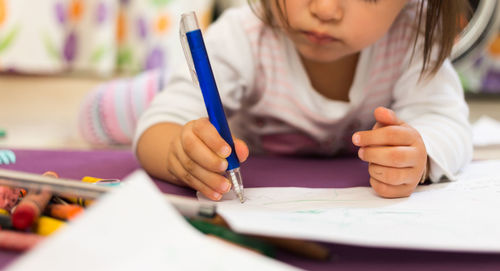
{"x":395,"y":152}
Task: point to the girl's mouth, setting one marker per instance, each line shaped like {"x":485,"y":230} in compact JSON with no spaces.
{"x":319,"y":38}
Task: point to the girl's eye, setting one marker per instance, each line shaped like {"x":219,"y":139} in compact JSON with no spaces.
{"x":371,"y":1}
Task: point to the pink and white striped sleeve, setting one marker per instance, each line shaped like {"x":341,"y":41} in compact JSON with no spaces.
{"x":109,"y":113}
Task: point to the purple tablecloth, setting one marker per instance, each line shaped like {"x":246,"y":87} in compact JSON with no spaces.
{"x":261,"y":172}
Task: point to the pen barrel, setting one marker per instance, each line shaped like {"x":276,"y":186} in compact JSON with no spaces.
{"x":210,"y":93}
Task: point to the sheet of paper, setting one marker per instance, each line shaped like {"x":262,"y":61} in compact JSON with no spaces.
{"x":486,"y":132}
{"x":133,"y":228}
{"x":455,"y":216}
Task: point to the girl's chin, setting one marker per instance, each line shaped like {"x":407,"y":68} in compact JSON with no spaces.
{"x":320,"y":56}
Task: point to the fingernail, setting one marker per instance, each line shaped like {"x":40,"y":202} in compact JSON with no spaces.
{"x":361,"y":152}
{"x":216,"y":196}
{"x":356,"y":139}
{"x":226,"y":186}
{"x":225,"y":151}
{"x":223,"y":165}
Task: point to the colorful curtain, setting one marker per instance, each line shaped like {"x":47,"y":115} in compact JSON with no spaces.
{"x":91,"y":36}
{"x":483,"y":73}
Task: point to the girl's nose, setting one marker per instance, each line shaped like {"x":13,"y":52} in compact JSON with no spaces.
{"x":327,"y":10}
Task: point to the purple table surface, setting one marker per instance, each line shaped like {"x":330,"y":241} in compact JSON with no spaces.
{"x":264,"y":171}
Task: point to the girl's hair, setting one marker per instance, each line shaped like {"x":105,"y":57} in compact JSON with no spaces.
{"x":438,"y":21}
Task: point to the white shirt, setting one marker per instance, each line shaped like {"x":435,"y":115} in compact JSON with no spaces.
{"x":272,"y":106}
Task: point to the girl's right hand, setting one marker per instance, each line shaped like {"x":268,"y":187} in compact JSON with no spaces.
{"x":197,"y":158}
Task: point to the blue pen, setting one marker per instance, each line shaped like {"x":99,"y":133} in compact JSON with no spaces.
{"x":202,"y":75}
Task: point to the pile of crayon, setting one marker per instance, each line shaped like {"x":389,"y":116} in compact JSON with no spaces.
{"x":27,"y":217}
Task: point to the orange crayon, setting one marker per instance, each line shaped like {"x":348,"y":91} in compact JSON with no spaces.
{"x":64,"y":211}
{"x":31,"y":206}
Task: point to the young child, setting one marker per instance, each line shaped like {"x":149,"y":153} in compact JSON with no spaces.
{"x":319,"y":77}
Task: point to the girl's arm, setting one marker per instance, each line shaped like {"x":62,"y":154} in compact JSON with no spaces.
{"x":437,"y":110}
{"x":174,"y":141}
{"x":427,"y":134}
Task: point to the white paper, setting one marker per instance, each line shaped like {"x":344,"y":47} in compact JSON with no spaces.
{"x":486,"y":132}
{"x":133,"y":228}
{"x":456,"y":216}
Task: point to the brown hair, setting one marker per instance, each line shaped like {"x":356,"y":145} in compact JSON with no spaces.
{"x":439,"y":21}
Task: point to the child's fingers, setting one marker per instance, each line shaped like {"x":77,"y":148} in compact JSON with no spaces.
{"x":241,"y":149}
{"x":397,"y":156}
{"x":386,"y":116}
{"x":180,"y":173}
{"x":385,"y":136}
{"x":193,"y":169}
{"x":391,"y":191}
{"x":392,"y":176}
{"x":209,"y":135}
{"x":200,"y":153}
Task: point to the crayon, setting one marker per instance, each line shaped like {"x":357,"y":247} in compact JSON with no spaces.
{"x":9,"y":197}
{"x":18,"y":241}
{"x":93,"y":180}
{"x":63,"y":211}
{"x":108,"y":182}
{"x":80,"y":201}
{"x":22,"y":192}
{"x":88,"y":179}
{"x":306,"y":249}
{"x":31,"y":206}
{"x":227,"y":234}
{"x":48,"y":225}
{"x":5,"y":220}
{"x":58,"y":200}
{"x":72,"y":188}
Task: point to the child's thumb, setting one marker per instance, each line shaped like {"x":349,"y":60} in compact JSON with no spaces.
{"x":385,"y":116}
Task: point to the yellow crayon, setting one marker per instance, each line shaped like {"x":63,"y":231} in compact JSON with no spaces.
{"x":88,"y":179}
{"x":48,"y":225}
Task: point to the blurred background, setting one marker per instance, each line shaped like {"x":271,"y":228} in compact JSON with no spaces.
{"x":76,"y":74}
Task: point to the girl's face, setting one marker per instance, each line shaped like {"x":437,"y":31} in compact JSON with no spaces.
{"x":327,"y":30}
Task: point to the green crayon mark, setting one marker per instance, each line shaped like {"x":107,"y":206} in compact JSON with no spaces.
{"x":397,"y":213}
{"x":303,"y":201}
{"x":310,"y":212}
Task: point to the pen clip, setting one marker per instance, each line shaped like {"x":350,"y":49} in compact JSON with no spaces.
{"x":187,"y":49}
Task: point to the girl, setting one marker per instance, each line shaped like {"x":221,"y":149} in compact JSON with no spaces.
{"x":317,"y":77}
